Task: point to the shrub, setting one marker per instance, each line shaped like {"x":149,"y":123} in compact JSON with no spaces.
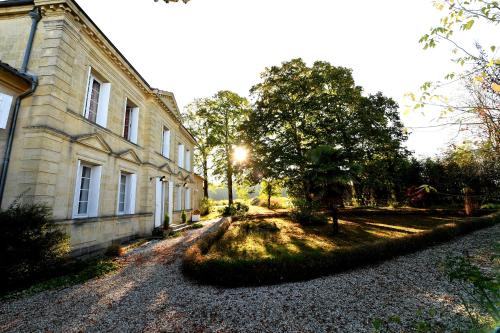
{"x":304,"y":212}
{"x":115,"y":250}
{"x":31,"y":246}
{"x":158,"y":232}
{"x":183,"y":216}
{"x":196,"y":226}
{"x":259,"y":225}
{"x":166,"y":222}
{"x":237,"y":209}
{"x":206,"y":206}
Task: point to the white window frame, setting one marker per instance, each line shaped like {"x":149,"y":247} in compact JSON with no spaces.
{"x":133,"y":123}
{"x":5,"y":107}
{"x":130,"y":193}
{"x":103,"y":101}
{"x":180,"y":155}
{"x":165,"y":146}
{"x":94,"y":189}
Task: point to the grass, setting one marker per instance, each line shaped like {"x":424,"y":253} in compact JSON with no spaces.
{"x":82,"y":271}
{"x":272,"y":250}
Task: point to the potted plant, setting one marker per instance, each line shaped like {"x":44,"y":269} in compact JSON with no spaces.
{"x":183,"y":217}
{"x":166,"y":222}
{"x":196,"y":216}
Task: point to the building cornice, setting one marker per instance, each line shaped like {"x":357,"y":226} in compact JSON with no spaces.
{"x":71,"y":7}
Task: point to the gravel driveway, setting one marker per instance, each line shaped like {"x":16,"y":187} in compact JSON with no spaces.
{"x":150,"y":294}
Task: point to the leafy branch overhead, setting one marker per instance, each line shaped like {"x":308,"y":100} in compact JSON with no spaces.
{"x":477,"y":110}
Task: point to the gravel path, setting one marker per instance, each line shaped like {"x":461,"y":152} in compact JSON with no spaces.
{"x":150,"y":294}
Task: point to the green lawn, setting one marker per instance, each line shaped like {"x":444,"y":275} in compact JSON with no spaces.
{"x":277,"y":237}
{"x":257,"y":251}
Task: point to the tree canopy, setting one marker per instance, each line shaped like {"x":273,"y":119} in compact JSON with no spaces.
{"x":298,"y":108}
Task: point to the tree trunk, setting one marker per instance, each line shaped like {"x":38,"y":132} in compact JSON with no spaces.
{"x":334,"y":212}
{"x":205,"y":179}
{"x":268,"y":200}
{"x":229,"y":182}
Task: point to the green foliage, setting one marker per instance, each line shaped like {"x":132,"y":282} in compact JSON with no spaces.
{"x":299,"y":108}
{"x":237,"y":209}
{"x":166,"y":221}
{"x":183,"y":216}
{"x":276,"y":202}
{"x":32,"y":247}
{"x":114,"y":250}
{"x":206,"y":206}
{"x":304,"y":212}
{"x":259,"y":226}
{"x":196,"y":225}
{"x":422,"y":322}
{"x":480,"y":288}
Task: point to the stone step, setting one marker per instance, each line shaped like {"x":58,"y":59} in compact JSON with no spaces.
{"x":179,"y":227}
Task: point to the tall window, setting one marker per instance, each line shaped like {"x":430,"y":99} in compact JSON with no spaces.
{"x":86,"y":200}
{"x":126,"y":193}
{"x":165,"y":146}
{"x":127,"y":123}
{"x":83,"y":201}
{"x":180,"y":157}
{"x":97,"y":100}
{"x":122,"y":194}
{"x":5,"y":105}
{"x":131,"y":122}
{"x":93,"y":101}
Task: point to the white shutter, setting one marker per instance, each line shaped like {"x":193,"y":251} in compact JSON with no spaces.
{"x":135,"y":125}
{"x":188,"y":199}
{"x":170,"y":199}
{"x":180,"y":157}
{"x":179,"y":198}
{"x":95,"y":184}
{"x":77,"y":188}
{"x":188,"y":160}
{"x":5,"y":106}
{"x":102,"y":109}
{"x":158,"y":198}
{"x":132,"y":193}
{"x":166,"y":143}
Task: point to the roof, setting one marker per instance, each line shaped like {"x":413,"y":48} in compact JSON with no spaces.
{"x":10,"y":3}
{"x":14,"y":79}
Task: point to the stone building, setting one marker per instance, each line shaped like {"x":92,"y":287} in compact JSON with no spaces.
{"x":89,"y":136}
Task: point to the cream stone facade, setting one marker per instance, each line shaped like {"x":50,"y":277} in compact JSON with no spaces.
{"x":94,"y":141}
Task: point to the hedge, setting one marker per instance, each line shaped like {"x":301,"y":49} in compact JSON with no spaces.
{"x":245,"y":272}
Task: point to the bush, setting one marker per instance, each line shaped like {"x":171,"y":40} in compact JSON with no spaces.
{"x":31,"y":247}
{"x":206,"y":206}
{"x":183,"y":216}
{"x":304,"y":212}
{"x":276,"y":202}
{"x":115,"y":250}
{"x":297,"y":267}
{"x":237,"y":209}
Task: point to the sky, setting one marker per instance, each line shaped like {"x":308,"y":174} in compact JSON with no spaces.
{"x":198,"y":48}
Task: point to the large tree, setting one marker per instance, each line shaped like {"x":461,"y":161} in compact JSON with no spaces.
{"x":228,"y":112}
{"x":198,"y":120}
{"x":299,"y":108}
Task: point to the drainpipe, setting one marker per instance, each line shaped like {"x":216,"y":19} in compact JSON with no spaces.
{"x":35,"y":18}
